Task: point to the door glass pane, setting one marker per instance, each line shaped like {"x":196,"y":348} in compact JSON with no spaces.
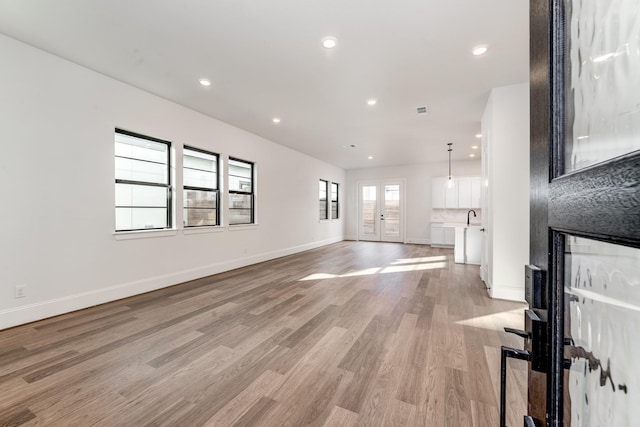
{"x":368,"y":209}
{"x":392,"y":210}
{"x":602,"y":318}
{"x":602,"y":84}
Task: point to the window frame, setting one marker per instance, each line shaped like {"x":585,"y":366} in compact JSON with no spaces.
{"x":325,"y":200}
{"x":167,"y":186}
{"x":194,"y":188}
{"x":251,"y":193}
{"x":336,"y":201}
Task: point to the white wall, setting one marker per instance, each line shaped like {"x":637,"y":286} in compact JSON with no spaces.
{"x":505,"y":130}
{"x":417,"y":193}
{"x":57,"y":171}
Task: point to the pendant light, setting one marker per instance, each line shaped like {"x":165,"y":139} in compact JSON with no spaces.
{"x":450,"y":178}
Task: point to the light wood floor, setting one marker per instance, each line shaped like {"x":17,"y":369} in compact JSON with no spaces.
{"x":355,"y":333}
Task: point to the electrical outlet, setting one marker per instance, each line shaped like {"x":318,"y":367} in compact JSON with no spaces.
{"x":20,"y":291}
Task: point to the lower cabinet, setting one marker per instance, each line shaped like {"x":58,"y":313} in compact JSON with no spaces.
{"x":441,"y":235}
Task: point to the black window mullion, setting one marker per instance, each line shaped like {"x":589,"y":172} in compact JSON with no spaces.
{"x":141,"y":183}
{"x":140,"y":160}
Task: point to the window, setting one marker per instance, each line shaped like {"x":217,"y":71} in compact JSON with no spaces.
{"x":143,"y":183}
{"x":200,"y":188}
{"x":241,"y":192}
{"x":324,"y":207}
{"x":334,"y":201}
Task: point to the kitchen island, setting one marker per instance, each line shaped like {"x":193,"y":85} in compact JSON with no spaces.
{"x":468,"y":243}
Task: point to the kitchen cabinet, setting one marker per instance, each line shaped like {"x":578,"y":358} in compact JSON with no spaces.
{"x":465,"y":193}
{"x":449,"y":236}
{"x":441,"y":235}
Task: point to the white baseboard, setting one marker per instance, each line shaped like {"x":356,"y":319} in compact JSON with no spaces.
{"x":508,"y":293}
{"x":350,"y":237}
{"x":54,"y":307}
{"x":418,"y":241}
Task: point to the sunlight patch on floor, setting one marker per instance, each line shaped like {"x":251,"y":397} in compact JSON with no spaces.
{"x":417,"y":260}
{"x":496,"y":321}
{"x":398,"y":266}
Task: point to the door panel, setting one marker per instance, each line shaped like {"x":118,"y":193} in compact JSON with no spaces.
{"x":585,"y":209}
{"x":369,"y":224}
{"x":391,"y":227}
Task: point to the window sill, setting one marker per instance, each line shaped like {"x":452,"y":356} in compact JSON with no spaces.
{"x":203,"y":229}
{"x":322,"y":221}
{"x":242,"y":227}
{"x":143,"y":234}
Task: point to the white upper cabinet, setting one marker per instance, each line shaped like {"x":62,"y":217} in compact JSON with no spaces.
{"x":476,"y":192}
{"x":450,"y":195}
{"x":465,"y":193}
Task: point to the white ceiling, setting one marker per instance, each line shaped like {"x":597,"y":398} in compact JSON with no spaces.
{"x":265,"y":59}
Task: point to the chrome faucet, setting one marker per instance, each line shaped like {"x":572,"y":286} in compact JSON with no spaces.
{"x":474,"y":215}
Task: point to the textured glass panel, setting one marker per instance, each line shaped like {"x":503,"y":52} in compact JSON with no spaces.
{"x":137,"y":170}
{"x":603,"y":87}
{"x":196,"y":217}
{"x":602,"y":317}
{"x":392,"y":210}
{"x":369,"y":209}
{"x":140,"y":195}
{"x":140,"y":218}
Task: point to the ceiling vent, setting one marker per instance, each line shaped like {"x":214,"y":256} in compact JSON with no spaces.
{"x":422,"y":111}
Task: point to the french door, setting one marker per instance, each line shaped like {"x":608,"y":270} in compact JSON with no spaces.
{"x":585,"y":210}
{"x":381,"y":210}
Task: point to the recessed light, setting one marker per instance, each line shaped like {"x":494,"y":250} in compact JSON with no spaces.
{"x":472,"y":155}
{"x":329,"y":42}
{"x":480,"y":50}
{"x":372,"y":101}
{"x":275,"y":120}
{"x":474,"y":147}
{"x":583,"y":137}
{"x":478,"y":135}
{"x":370,"y":157}
{"x":205,"y":82}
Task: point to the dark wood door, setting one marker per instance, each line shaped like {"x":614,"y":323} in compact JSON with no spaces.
{"x":585,"y":209}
